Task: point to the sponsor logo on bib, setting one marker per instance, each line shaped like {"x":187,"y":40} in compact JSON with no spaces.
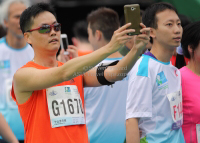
{"x":53,"y":93}
{"x":67,"y":90}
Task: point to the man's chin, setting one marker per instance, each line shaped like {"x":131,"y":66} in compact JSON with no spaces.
{"x":19,"y":36}
{"x":176,"y":44}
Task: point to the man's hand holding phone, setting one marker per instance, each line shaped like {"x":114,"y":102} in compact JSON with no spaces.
{"x":141,"y":40}
{"x":67,"y":51}
{"x":72,"y":53}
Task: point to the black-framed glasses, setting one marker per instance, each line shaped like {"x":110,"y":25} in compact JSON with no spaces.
{"x":47,"y":28}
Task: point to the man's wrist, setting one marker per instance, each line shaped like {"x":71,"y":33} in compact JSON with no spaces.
{"x":136,"y":51}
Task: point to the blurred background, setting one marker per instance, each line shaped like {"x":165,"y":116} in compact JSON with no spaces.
{"x":70,"y":11}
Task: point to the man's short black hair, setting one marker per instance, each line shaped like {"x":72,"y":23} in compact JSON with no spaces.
{"x":104,"y":19}
{"x":191,"y":37}
{"x":149,"y":17}
{"x":184,"y":20}
{"x":28,"y":15}
{"x":80,"y":30}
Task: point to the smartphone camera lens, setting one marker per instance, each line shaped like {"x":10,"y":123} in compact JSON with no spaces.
{"x":132,"y":8}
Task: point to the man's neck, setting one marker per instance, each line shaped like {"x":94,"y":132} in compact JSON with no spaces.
{"x":14,"y":42}
{"x":85,"y":46}
{"x":162,"y":53}
{"x":194,"y":67}
{"x":44,"y":58}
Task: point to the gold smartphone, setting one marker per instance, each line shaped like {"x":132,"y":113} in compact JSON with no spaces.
{"x":132,"y":14}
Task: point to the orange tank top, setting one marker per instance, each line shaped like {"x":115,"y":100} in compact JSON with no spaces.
{"x":36,"y":119}
{"x":82,"y":53}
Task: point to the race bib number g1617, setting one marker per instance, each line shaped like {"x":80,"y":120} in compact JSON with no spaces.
{"x":65,"y":106}
{"x":175,"y":100}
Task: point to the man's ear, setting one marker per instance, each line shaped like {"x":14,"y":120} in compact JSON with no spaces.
{"x":75,"y":41}
{"x":190,"y":49}
{"x":152,"y":32}
{"x":27,"y":38}
{"x":5,"y":23}
{"x":98,"y":35}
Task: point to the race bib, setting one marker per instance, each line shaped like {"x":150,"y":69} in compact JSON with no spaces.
{"x":198,"y":132}
{"x":175,"y":100}
{"x":65,"y":106}
{"x":10,"y":102}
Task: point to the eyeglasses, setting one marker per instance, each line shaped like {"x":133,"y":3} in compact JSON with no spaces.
{"x":47,"y":28}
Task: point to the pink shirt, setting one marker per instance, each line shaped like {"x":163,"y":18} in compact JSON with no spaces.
{"x":191,"y":104}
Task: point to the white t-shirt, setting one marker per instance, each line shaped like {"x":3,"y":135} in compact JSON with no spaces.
{"x":150,"y":83}
{"x":10,"y":61}
{"x":105,"y":111}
